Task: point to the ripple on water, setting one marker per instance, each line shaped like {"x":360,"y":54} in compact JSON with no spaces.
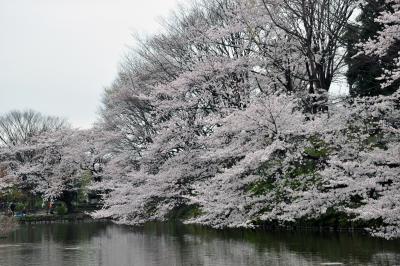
{"x":72,"y":248}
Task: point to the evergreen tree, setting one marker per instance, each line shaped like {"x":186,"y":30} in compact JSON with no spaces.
{"x":364,"y":70}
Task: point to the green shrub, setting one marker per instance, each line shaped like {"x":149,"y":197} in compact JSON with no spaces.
{"x":262,"y":186}
{"x":185,"y":212}
{"x":319,"y":149}
{"x":38,"y":203}
{"x":84,"y":182}
{"x":305,"y":167}
{"x":15,"y":195}
{"x":20,"y":207}
{"x":61,"y":208}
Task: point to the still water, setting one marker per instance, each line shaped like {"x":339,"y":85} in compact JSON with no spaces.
{"x":87,"y":244}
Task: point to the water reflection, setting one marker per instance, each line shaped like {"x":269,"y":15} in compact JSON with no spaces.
{"x":174,"y":244}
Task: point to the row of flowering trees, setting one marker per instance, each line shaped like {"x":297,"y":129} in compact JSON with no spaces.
{"x":53,"y":165}
{"x":224,"y":118}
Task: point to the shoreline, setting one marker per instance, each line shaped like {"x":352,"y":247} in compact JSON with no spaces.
{"x":51,"y":218}
{"x":263,"y":227}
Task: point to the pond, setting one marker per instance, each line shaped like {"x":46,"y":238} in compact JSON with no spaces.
{"x":167,"y":244}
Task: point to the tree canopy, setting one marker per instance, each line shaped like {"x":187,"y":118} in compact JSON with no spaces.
{"x":17,"y":127}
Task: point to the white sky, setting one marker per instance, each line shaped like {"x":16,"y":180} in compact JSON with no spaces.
{"x":56,"y":56}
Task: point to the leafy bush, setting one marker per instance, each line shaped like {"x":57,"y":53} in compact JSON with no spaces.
{"x":20,"y":207}
{"x":61,"y":208}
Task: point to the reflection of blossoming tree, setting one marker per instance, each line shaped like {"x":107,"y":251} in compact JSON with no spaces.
{"x":7,"y":225}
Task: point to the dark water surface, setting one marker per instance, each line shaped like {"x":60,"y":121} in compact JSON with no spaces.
{"x":173,"y":244}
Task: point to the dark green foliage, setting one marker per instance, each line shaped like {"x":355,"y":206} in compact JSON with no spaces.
{"x":314,"y":155}
{"x":331,"y":218}
{"x":20,"y":207}
{"x":355,"y":201}
{"x":84,"y":182}
{"x":67,"y":197}
{"x":270,"y":167}
{"x":185,"y":212}
{"x":151,"y":206}
{"x":262,"y":186}
{"x":303,"y":168}
{"x":318,"y":149}
{"x":294,"y":184}
{"x":61,"y":208}
{"x":375,"y":141}
{"x":299,"y":175}
{"x":313,"y":160}
{"x":14,"y":195}
{"x":37,"y":202}
{"x":363,"y":70}
{"x":269,"y":171}
{"x":338,"y":220}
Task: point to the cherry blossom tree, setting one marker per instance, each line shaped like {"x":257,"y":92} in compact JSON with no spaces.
{"x":52,"y":165}
{"x":213,"y":116}
{"x":219,"y":117}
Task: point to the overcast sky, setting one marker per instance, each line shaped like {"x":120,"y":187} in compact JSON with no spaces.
{"x":56,"y":56}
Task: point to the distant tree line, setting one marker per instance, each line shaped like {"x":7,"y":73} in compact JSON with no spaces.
{"x":17,"y":127}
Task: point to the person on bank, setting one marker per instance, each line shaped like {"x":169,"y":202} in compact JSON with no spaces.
{"x":12,"y":208}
